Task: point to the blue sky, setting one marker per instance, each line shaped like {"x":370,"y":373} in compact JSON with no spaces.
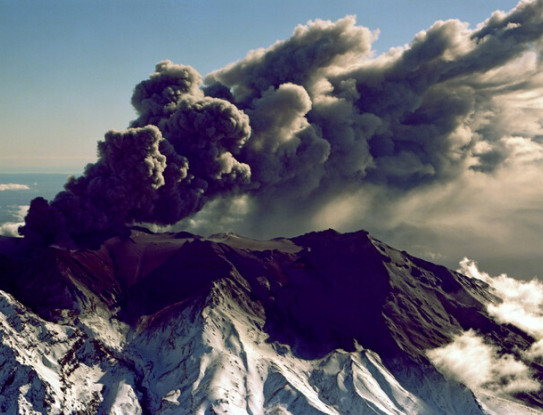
{"x":68,"y":68}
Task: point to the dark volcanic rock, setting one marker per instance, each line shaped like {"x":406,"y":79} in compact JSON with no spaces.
{"x":188,"y":272}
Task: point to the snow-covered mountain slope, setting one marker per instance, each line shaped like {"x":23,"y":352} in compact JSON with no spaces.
{"x":178,"y":324}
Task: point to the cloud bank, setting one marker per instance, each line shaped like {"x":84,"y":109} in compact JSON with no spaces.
{"x":11,"y":228}
{"x":521,"y":301}
{"x":478,"y":362}
{"x":478,"y":365}
{"x":13,"y":186}
{"x":317,"y":131}
{"x":521,"y":304}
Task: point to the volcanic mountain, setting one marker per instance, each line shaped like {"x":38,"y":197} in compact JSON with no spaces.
{"x":324,"y":323}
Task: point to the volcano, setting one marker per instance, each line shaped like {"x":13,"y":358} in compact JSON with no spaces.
{"x":176,"y":323}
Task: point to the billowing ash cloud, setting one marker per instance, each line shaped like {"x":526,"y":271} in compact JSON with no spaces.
{"x":143,"y":174}
{"x":313,"y":131}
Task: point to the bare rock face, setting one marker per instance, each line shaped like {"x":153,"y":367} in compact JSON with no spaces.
{"x":324,"y":323}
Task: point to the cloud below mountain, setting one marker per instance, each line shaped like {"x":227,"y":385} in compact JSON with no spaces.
{"x":11,"y":228}
{"x":521,"y":301}
{"x":478,"y":365}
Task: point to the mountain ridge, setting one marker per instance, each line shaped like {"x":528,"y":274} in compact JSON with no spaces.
{"x":162,"y":306}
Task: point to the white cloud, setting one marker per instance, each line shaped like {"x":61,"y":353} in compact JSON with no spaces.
{"x":10,"y":229}
{"x":13,"y":186}
{"x":20,"y":212}
{"x":535,"y":351}
{"x":522,"y":300}
{"x":521,"y":305}
{"x":468,"y":359}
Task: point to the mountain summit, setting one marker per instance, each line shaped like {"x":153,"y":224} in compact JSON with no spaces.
{"x":324,"y":323}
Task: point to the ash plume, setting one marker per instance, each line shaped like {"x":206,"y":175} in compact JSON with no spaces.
{"x":290,"y":130}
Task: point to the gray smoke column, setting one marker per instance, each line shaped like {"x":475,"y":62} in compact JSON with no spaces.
{"x":303,"y":122}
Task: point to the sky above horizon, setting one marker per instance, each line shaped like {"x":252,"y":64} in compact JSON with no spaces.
{"x":69,"y":67}
{"x":426,"y":133}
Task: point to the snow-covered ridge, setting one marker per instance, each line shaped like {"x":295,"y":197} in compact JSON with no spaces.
{"x":163,"y":323}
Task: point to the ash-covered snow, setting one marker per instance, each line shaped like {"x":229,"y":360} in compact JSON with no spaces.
{"x":53,"y":368}
{"x":211,"y":357}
